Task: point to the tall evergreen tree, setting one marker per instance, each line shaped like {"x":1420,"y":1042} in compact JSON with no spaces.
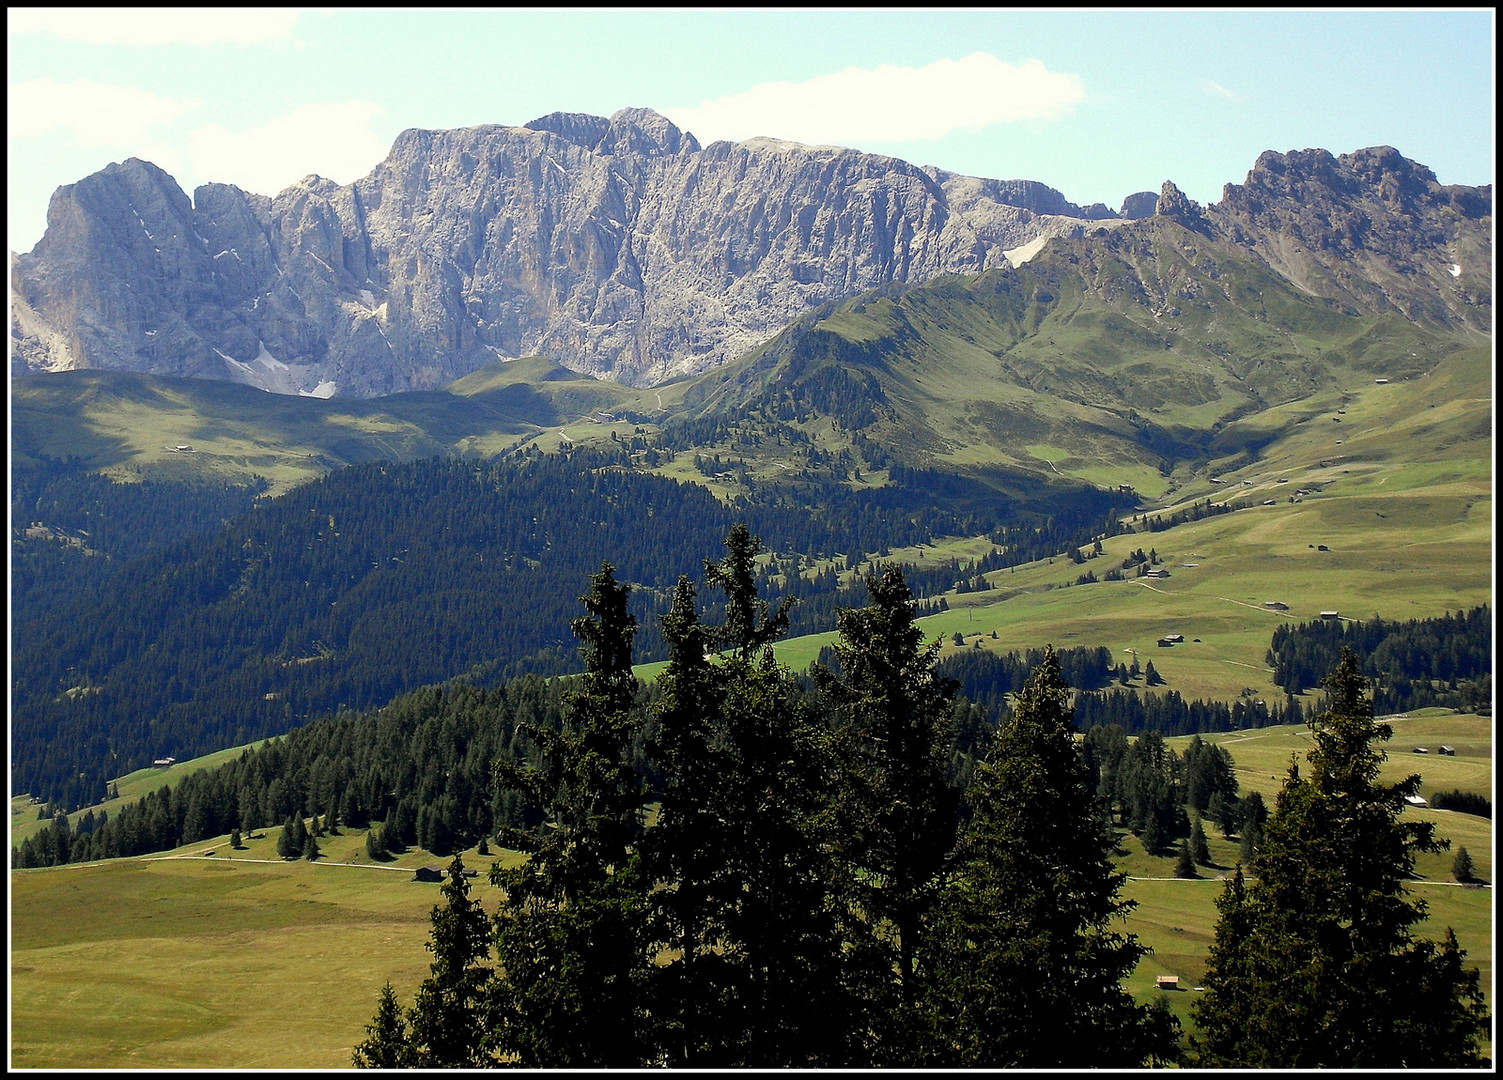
{"x":1184,"y":861}
{"x":448,"y":1015}
{"x":1462,"y":867}
{"x":571,"y":943}
{"x":294,"y":837}
{"x":781,"y":942}
{"x":749,"y":623}
{"x":1030,"y":956}
{"x":743,"y":896}
{"x":897,"y":813}
{"x":1200,"y":851}
{"x":1317,"y":963}
{"x":684,"y":848}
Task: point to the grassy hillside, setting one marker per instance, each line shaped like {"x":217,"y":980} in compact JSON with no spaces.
{"x":1405,"y":541}
{"x":132,"y":787}
{"x":1177,"y":918}
{"x":183,"y":962}
{"x":1136,"y":358}
{"x":129,"y":426}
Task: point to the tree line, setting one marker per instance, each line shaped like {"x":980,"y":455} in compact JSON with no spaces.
{"x":1445,"y":661}
{"x":416,"y":769}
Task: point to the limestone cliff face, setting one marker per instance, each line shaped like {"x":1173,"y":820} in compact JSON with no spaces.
{"x":623,"y":248}
{"x":619,"y":247}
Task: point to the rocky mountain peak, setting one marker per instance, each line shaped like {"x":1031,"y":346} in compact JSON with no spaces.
{"x":581,"y":129}
{"x":635,"y":131}
{"x":1178,"y":207}
{"x":1139,"y":205}
{"x":1371,"y":229}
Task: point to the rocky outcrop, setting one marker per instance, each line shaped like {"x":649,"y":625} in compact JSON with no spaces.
{"x":1175,"y":205}
{"x":1140,"y":204}
{"x":619,"y":247}
{"x":623,"y":248}
{"x":1370,"y":229}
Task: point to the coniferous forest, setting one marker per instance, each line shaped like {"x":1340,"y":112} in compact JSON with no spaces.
{"x":852,"y":866}
{"x":218,"y":627}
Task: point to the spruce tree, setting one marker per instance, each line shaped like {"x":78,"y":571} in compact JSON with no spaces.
{"x":447,"y":1017}
{"x":386,"y":1044}
{"x":780,"y":947}
{"x":1462,"y":868}
{"x":1223,"y":811}
{"x":742,"y":894}
{"x":1029,"y":952}
{"x":896,"y":813}
{"x":1184,"y":863}
{"x":685,"y":848}
{"x":1316,"y":964}
{"x":749,"y":624}
{"x":1152,"y":835}
{"x":294,"y":837}
{"x":1252,"y":815}
{"x":571,"y":943}
{"x":1200,"y":851}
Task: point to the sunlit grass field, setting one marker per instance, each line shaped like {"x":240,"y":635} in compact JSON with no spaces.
{"x":191,"y":962}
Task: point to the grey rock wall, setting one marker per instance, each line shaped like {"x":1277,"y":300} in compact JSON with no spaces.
{"x":619,"y":247}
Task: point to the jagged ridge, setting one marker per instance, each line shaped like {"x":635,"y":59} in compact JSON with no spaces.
{"x":623,"y":248}
{"x":619,"y":247}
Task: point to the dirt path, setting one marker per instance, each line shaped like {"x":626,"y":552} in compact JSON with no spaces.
{"x":316,"y":862}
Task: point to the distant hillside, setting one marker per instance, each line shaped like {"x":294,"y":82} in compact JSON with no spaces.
{"x":1114,"y":358}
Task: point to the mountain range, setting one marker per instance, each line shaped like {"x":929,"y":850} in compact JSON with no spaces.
{"x":622,"y":248}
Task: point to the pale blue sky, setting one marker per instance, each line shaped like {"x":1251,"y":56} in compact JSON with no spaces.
{"x":1098,"y":104}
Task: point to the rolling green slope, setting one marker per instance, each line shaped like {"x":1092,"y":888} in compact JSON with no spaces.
{"x":1136,"y":356}
{"x":1125,"y":357}
{"x":132,"y":425}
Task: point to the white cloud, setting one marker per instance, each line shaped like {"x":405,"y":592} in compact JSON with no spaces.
{"x":888,"y":103}
{"x":1218,"y":90}
{"x":156,"y":26}
{"x":98,"y":115}
{"x":334,"y":140}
